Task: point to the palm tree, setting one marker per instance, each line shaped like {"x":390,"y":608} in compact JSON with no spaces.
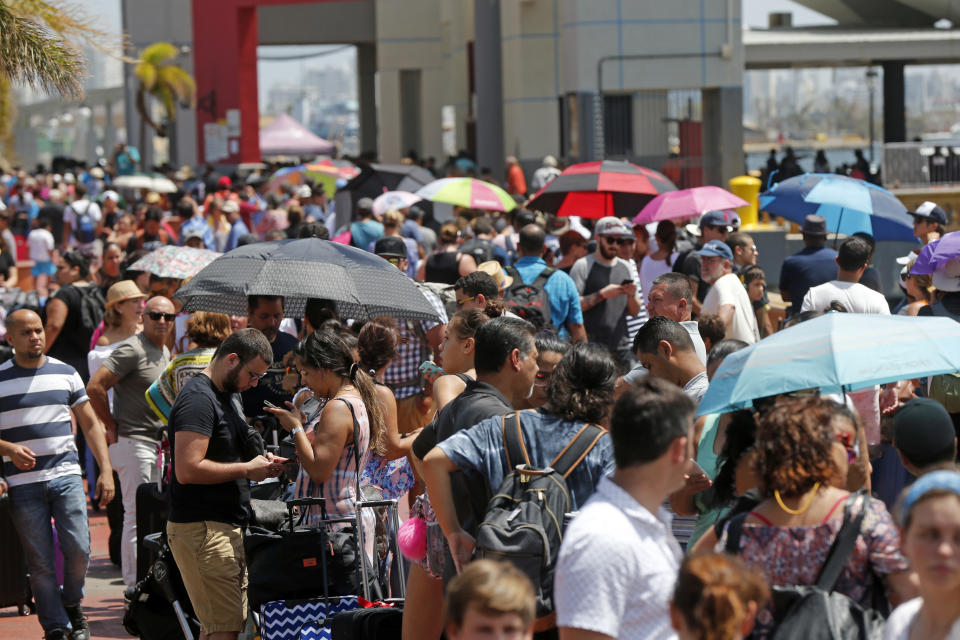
{"x":34,"y":50}
{"x":161,"y":78}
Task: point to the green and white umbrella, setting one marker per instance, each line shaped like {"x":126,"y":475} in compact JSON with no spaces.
{"x":468,"y":192}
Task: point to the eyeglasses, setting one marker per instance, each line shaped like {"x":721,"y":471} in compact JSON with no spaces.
{"x":156,"y":316}
{"x":464,"y":301}
{"x":620,"y":241}
{"x":851,"y":444}
{"x":252,"y":374}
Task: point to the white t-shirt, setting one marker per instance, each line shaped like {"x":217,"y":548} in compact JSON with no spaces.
{"x":855,"y":297}
{"x":902,"y":618}
{"x":729,"y":290}
{"x":617,"y":568}
{"x":40,"y":243}
{"x":650,"y":269}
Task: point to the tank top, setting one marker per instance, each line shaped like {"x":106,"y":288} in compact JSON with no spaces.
{"x":443,"y":267}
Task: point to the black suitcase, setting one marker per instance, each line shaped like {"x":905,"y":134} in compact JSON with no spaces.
{"x":374,"y":623}
{"x":151,"y":518}
{"x":14,"y":585}
{"x":115,"y":521}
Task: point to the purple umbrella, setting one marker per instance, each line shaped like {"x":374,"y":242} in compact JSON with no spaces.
{"x":936,"y":254}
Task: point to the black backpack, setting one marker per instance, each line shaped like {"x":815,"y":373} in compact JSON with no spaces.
{"x":92,"y":305}
{"x":524,"y":521}
{"x":479,"y":248}
{"x":530,"y":301}
{"x":817,"y":611}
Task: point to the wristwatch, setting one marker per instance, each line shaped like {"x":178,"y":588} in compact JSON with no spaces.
{"x":294,"y":432}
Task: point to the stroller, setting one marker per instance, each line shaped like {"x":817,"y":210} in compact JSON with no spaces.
{"x":149,"y":604}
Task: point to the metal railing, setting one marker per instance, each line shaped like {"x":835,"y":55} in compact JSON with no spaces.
{"x":921,"y":164}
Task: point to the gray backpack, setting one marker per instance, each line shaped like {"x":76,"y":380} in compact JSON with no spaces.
{"x":524,"y":522}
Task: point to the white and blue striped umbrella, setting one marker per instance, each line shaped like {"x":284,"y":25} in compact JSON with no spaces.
{"x":836,"y":352}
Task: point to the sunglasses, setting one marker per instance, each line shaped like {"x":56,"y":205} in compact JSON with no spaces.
{"x":851,"y":444}
{"x":157,"y":316}
{"x":394,"y":261}
{"x":620,"y":241}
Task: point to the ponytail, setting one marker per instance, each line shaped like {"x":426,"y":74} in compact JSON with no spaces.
{"x":364,"y":383}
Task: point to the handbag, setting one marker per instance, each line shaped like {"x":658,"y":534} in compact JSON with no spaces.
{"x":814,"y":612}
{"x":288,"y":565}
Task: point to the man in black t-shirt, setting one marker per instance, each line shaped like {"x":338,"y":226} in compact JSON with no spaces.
{"x":209,"y":489}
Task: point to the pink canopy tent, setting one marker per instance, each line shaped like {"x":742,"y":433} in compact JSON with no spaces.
{"x":287,"y":137}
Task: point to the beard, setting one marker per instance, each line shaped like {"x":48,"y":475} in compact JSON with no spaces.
{"x":608,"y":252}
{"x":230,"y":381}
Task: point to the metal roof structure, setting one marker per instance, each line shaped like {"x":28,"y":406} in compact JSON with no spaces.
{"x":886,"y":13}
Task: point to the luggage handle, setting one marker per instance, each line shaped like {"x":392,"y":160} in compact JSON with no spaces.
{"x":305,"y":502}
{"x":394,"y":516}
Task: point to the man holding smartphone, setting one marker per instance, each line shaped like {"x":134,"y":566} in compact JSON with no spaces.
{"x":607,"y":290}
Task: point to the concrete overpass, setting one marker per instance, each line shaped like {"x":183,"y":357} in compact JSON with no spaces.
{"x":843,"y":46}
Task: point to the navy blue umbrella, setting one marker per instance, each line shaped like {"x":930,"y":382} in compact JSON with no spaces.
{"x":848,"y":204}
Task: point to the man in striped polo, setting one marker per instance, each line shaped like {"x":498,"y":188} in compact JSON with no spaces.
{"x":37,"y":395}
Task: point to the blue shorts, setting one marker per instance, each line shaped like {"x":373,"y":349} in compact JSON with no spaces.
{"x":43,"y":269}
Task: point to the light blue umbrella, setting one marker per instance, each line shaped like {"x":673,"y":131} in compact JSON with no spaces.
{"x":837,"y":352}
{"x":849,"y":205}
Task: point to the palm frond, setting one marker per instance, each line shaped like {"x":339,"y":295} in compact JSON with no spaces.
{"x":147,"y":74}
{"x":179,"y":81}
{"x":72,"y":21}
{"x":31,"y":54}
{"x":158,"y":53}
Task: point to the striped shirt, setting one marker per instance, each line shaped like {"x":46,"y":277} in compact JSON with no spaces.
{"x":35,"y":412}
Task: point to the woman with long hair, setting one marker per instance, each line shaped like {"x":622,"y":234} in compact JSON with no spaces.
{"x":345,"y":433}
{"x":661,"y":260}
{"x":456,"y":354}
{"x":929,"y":517}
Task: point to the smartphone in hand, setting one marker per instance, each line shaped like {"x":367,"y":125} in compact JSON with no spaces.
{"x":626,"y":282}
{"x":267,"y":403}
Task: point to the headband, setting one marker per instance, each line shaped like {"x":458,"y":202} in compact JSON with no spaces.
{"x":936,"y":480}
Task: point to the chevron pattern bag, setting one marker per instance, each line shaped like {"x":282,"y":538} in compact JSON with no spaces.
{"x":302,"y":619}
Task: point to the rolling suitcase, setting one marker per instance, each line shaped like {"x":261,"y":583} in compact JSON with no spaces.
{"x":313,"y":618}
{"x":14,"y":584}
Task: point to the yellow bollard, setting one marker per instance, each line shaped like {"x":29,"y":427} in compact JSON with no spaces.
{"x":748,"y":188}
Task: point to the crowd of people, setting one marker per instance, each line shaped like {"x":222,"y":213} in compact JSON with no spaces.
{"x":676,"y":525}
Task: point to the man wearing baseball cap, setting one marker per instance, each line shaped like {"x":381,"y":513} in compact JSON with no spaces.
{"x":607,"y":290}
{"x":928,"y":221}
{"x":924,"y":436}
{"x":714,"y":225}
{"x":727,"y":297}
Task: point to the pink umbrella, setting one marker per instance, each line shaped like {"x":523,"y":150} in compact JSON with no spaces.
{"x":687,"y":203}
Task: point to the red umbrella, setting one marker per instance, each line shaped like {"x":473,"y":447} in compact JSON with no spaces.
{"x":598,"y":189}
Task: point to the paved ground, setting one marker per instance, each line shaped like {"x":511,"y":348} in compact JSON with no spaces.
{"x":104,"y":594}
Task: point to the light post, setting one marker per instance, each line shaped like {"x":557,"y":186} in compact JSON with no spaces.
{"x":871,"y":85}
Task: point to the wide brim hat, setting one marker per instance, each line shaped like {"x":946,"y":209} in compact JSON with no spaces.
{"x":495,"y":271}
{"x":123,"y":291}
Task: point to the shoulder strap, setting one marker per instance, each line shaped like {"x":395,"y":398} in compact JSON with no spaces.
{"x":577,"y":449}
{"x":513,"y":273}
{"x":514,"y":446}
{"x":464,"y":378}
{"x":356,"y":443}
{"x":734,"y":528}
{"x":843,"y":544}
{"x":541,"y":280}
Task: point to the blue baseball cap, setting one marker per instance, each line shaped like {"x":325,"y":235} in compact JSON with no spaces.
{"x":716,"y":249}
{"x":728,"y":219}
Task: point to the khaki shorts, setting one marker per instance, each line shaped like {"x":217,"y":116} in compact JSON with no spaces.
{"x":210,"y":558}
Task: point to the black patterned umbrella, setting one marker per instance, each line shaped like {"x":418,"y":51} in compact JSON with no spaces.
{"x":361,"y":284}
